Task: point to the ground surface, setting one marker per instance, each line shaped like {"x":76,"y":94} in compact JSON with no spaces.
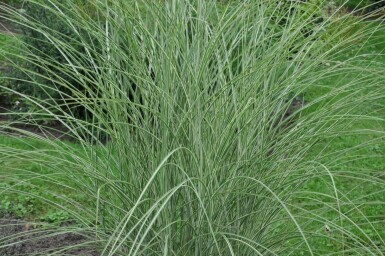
{"x":7,"y":28}
{"x":12,"y":227}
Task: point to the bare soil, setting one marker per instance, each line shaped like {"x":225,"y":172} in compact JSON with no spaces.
{"x":14,"y":232}
{"x":53,"y":130}
{"x":7,"y":27}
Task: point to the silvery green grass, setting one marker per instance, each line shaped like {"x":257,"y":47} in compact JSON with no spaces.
{"x":198,"y":140}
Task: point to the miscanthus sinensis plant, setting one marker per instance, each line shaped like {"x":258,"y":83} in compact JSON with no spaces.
{"x":196,"y":138}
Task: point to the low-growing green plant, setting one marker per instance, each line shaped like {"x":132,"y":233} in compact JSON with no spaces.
{"x":205,"y":154}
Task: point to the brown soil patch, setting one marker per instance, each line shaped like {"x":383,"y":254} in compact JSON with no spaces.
{"x":7,"y":27}
{"x":17,"y":238}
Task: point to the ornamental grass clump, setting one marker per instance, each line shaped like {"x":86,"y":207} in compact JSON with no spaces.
{"x":199,"y":138}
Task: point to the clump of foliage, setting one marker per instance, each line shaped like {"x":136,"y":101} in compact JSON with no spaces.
{"x":202,"y":157}
{"x":39,"y":45}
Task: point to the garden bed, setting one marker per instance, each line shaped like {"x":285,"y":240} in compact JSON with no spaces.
{"x":55,"y":130}
{"x":11,"y":227}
